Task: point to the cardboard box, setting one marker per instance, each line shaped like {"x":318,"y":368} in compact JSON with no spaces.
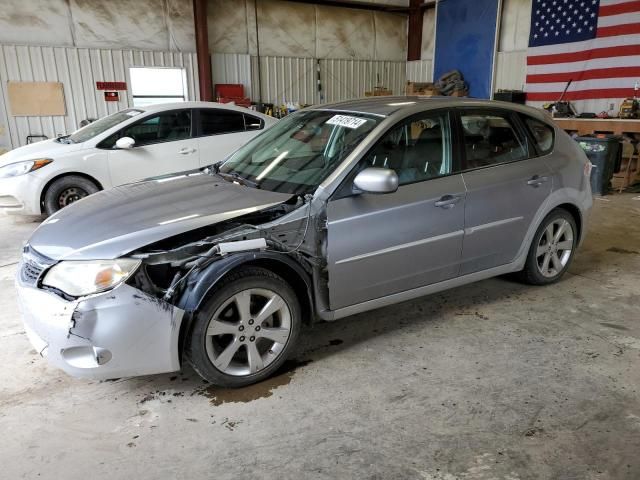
{"x":425,"y":89}
{"x":378,"y":92}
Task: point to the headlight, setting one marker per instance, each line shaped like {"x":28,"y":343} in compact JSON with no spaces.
{"x":84,"y":278}
{"x":20,"y":168}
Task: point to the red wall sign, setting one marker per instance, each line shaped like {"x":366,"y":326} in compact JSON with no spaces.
{"x":111,"y":96}
{"x":111,"y":85}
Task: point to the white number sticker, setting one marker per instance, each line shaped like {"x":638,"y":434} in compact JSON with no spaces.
{"x":346,"y":121}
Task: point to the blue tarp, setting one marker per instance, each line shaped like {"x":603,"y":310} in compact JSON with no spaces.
{"x":465,"y":37}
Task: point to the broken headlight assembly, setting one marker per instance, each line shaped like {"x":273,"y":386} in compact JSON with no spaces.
{"x":78,"y":278}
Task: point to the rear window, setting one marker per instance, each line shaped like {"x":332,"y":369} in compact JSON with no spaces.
{"x":219,"y":121}
{"x":542,"y":134}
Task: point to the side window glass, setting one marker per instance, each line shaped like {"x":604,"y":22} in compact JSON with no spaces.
{"x":169,"y":126}
{"x":542,"y":134}
{"x":252,"y":123}
{"x":417,"y":149}
{"x":491,"y":138}
{"x":215,"y":122}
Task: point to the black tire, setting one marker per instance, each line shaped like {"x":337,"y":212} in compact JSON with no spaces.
{"x":531,"y":273}
{"x":66,"y":190}
{"x":234,"y":283}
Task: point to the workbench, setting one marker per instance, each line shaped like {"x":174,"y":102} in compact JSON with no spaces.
{"x":586,"y":126}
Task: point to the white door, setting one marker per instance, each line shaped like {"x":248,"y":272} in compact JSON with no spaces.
{"x":222,"y":132}
{"x":163,"y":144}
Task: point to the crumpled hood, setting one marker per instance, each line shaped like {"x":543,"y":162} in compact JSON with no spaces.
{"x":114,"y":222}
{"x":44,"y":149}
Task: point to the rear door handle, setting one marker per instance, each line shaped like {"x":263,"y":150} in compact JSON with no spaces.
{"x":537,"y":180}
{"x":448,"y":201}
{"x":186,"y":151}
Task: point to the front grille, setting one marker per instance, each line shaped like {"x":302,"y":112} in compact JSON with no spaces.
{"x":33,"y":264}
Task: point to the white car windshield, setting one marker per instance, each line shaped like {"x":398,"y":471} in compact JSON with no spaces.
{"x":99,"y":126}
{"x":299,"y":152}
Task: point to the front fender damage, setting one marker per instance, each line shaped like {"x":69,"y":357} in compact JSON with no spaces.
{"x":182,"y":270}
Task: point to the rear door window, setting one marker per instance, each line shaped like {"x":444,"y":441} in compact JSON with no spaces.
{"x":542,"y":134}
{"x":491,"y":138}
{"x":215,"y":121}
{"x":253,"y":123}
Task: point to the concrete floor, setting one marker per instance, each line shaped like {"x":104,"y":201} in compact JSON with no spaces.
{"x":494,"y":380}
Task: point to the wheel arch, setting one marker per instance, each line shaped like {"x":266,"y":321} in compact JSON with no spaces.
{"x":203,"y":284}
{"x":574,"y":211}
{"x":62,"y":175}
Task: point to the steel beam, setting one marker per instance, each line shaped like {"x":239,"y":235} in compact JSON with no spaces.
{"x":414,"y":36}
{"x":202,"y":50}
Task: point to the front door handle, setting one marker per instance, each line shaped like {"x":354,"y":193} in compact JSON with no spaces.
{"x":448,"y":201}
{"x":186,"y":151}
{"x":537,"y":180}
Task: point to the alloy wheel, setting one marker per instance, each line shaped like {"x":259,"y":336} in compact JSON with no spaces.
{"x":554,"y":248}
{"x":248,"y":332}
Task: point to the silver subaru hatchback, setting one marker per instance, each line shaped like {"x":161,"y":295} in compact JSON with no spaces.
{"x":336,"y":210}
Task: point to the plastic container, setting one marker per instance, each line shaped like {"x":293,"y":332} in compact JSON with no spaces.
{"x":604,"y":154}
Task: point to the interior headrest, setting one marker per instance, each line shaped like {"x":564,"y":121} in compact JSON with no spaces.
{"x":434,"y":133}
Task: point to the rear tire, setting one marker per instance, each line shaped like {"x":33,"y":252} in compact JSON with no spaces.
{"x":246,"y":329}
{"x":66,"y":190}
{"x":552,"y":249}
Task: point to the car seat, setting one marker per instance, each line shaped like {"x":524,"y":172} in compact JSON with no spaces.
{"x":423,"y":159}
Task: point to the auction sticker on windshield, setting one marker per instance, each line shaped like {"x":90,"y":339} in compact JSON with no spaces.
{"x":346,"y":121}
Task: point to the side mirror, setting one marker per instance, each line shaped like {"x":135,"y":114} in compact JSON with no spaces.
{"x":125,"y":143}
{"x":376,"y":180}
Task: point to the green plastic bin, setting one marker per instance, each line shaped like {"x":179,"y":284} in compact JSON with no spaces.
{"x":604,"y":154}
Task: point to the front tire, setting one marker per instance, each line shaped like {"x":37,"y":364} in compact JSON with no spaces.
{"x":246,"y":329}
{"x":67,"y":190}
{"x":552,"y":249}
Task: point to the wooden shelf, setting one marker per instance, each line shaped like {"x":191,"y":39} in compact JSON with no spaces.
{"x":586,"y":126}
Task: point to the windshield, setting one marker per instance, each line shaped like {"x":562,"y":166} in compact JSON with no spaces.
{"x":299,"y":152}
{"x":102,"y":125}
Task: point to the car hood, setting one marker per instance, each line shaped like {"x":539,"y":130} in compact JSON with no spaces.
{"x":114,"y":222}
{"x":33,"y":151}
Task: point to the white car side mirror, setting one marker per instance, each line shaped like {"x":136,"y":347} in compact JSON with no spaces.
{"x":125,"y":143}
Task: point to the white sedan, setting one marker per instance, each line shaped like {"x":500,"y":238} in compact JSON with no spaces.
{"x":124,"y":147}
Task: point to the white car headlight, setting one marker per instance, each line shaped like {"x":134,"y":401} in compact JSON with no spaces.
{"x":78,"y":278}
{"x":20,"y":168}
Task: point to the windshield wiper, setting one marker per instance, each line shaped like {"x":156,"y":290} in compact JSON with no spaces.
{"x":236,"y":177}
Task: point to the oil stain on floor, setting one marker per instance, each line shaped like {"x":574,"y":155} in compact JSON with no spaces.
{"x":264,"y":389}
{"x":622,"y":250}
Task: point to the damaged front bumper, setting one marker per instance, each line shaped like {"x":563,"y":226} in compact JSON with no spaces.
{"x":120,"y":333}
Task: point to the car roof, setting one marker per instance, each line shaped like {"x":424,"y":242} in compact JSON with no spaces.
{"x":388,"y":105}
{"x":159,"y":107}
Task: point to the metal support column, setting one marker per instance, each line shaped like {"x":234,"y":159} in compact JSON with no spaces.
{"x":414,"y":37}
{"x":202,"y":50}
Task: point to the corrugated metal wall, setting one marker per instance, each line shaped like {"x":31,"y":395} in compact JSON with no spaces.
{"x":78,"y":69}
{"x":294,"y":79}
{"x":346,"y":79}
{"x":232,"y":68}
{"x":511,"y":70}
{"x":420,"y":71}
{"x":283,"y":79}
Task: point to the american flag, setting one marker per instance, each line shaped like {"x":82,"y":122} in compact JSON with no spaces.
{"x":595,"y":43}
